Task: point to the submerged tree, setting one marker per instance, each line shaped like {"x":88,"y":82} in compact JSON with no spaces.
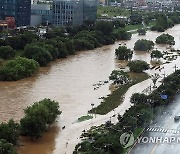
{"x":119,"y":77}
{"x":138,"y":66}
{"x":143,"y":45}
{"x":141,"y":31}
{"x":123,"y":53}
{"x":156,"y":54}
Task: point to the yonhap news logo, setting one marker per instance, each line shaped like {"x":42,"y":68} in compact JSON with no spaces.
{"x":127,"y":139}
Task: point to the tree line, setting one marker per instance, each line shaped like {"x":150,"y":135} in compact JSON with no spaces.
{"x":56,"y":43}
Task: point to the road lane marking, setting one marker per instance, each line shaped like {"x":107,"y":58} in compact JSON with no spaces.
{"x":155,"y":147}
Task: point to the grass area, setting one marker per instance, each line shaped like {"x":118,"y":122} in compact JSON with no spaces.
{"x":152,"y":23}
{"x":133,"y":27}
{"x":112,"y":11}
{"x":116,"y":98}
{"x":130,"y":27}
{"x":83,"y":118}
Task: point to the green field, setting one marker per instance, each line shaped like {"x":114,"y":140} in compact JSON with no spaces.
{"x":112,"y":11}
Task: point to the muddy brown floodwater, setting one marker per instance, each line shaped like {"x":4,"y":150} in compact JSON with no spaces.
{"x":70,"y":82}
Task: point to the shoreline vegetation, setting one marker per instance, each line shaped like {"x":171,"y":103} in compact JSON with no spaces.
{"x":103,"y":138}
{"x":61,"y":42}
{"x":113,"y":100}
{"x":56,"y":43}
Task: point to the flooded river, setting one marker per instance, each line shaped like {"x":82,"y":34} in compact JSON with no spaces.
{"x":70,"y":82}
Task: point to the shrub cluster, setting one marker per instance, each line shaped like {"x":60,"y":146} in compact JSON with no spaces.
{"x":143,"y":45}
{"x":38,"y":117}
{"x":138,"y":66}
{"x":17,"y":69}
{"x":165,"y":39}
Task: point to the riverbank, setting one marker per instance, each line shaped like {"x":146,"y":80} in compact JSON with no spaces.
{"x":168,"y":68}
{"x":113,"y":100}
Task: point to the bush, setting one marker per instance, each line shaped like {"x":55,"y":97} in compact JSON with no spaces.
{"x":14,"y":42}
{"x":165,"y":39}
{"x":138,"y":66}
{"x":63,"y":53}
{"x":3,"y":42}
{"x":32,"y":126}
{"x":38,"y":116}
{"x":6,"y":52}
{"x":156,"y":54}
{"x":6,"y":148}
{"x":17,"y":69}
{"x":52,"y":50}
{"x":143,"y":45}
{"x":39,"y":54}
{"x":10,"y":132}
{"x":119,"y":77}
{"x":105,"y":27}
{"x":123,"y":53}
{"x":122,"y":35}
{"x":141,"y":31}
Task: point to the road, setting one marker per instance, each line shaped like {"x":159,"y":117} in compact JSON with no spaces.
{"x":168,"y":129}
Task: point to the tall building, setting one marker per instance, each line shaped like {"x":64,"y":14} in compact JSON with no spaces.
{"x":89,"y":10}
{"x":73,"y":12}
{"x":19,"y":9}
{"x":43,"y":10}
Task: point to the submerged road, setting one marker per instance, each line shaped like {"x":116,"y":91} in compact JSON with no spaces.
{"x":167,"y":131}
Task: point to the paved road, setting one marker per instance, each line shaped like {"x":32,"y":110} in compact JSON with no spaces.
{"x":166,"y":130}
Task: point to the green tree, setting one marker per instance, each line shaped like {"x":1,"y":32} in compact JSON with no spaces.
{"x":6,"y":148}
{"x":123,"y":53}
{"x":38,"y":117}
{"x":119,"y":77}
{"x":105,"y":27}
{"x":6,"y":52}
{"x":162,"y":21}
{"x":10,"y":131}
{"x":14,"y":42}
{"x":63,"y":53}
{"x":18,"y":68}
{"x":138,"y":98}
{"x":143,"y":45}
{"x":39,"y":54}
{"x":141,"y":31}
{"x":156,"y":54}
{"x":46,"y":109}
{"x":135,"y":19}
{"x":32,"y":126}
{"x":3,"y":42}
{"x":165,"y":39}
{"x":121,"y":34}
{"x":138,"y":66}
{"x":52,"y":50}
